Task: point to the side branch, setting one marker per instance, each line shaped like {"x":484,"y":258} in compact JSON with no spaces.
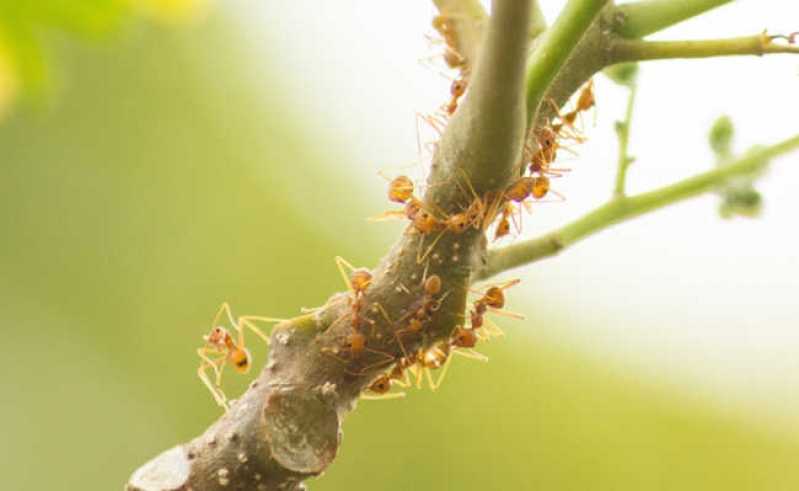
{"x":625,"y":208}
{"x":639,"y":19}
{"x":636,"y":50}
{"x":556,"y":47}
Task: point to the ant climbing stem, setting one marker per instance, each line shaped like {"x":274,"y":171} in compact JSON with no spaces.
{"x":221,"y":349}
{"x":358,"y":281}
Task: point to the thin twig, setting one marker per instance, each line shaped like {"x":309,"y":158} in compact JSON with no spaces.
{"x":637,"y":50}
{"x":623,"y":132}
{"x":625,"y":208}
{"x":556,"y":46}
{"x":639,"y":19}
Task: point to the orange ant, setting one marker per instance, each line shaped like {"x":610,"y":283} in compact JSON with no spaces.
{"x":428,"y":306}
{"x":358,"y":281}
{"x":383,"y":383}
{"x":445,"y":26}
{"x":503,"y":227}
{"x":440,"y":356}
{"x":585,"y":101}
{"x":221,"y":349}
{"x":492,"y":300}
{"x":456,"y":90}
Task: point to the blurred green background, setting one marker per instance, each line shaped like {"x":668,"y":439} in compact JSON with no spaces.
{"x":145,"y":180}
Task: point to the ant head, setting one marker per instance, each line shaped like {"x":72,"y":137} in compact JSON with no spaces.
{"x":432,"y":285}
{"x":464,"y":338}
{"x":457,"y":88}
{"x":240,"y":359}
{"x":381,"y":385}
{"x":546,"y":137}
{"x":494,"y":297}
{"x":412,"y":209}
{"x":400,"y":189}
{"x":425,"y":222}
{"x":360,"y":280}
{"x":216,"y":336}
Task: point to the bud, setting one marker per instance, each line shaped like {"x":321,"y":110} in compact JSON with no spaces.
{"x":720,"y":137}
{"x":622,"y":73}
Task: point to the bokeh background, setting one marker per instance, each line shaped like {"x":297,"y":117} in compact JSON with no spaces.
{"x":158,"y":157}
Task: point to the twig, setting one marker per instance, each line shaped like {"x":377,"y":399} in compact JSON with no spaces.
{"x":636,"y":50}
{"x":639,"y":19}
{"x":625,"y":208}
{"x":557,"y":44}
{"x":623,"y":132}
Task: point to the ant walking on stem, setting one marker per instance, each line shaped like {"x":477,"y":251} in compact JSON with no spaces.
{"x":358,"y":281}
{"x":221,"y":349}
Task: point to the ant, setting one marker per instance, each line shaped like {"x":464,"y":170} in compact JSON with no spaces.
{"x":428,"y":306}
{"x":456,"y":90}
{"x":445,"y":26}
{"x":221,"y":349}
{"x":440,"y":356}
{"x":358,"y":281}
{"x":503,"y":227}
{"x":397,"y":375}
{"x":492,"y":300}
{"x":585,"y":101}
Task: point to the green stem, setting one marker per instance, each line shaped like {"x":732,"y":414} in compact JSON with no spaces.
{"x":639,"y":19}
{"x":636,"y":50}
{"x":556,"y":46}
{"x":624,"y":141}
{"x":625,"y":208}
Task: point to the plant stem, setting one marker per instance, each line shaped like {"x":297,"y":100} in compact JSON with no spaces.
{"x":555,"y":48}
{"x":636,"y":50}
{"x":625,"y":208}
{"x":623,"y":131}
{"x":639,"y":19}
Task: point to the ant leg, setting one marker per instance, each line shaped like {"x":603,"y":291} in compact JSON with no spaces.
{"x":444,"y":368}
{"x":429,"y":249}
{"x":216,"y":392}
{"x":247,"y":321}
{"x":223,"y":309}
{"x":383,"y":397}
{"x":492,"y":329}
{"x":388,"y":215}
{"x":507,"y":313}
{"x":398,"y":335}
{"x":470,"y":354}
{"x":342,"y":263}
{"x":387,"y":359}
{"x":202,"y":352}
{"x":383,"y":312}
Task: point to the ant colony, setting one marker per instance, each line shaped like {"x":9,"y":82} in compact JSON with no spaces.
{"x":495,"y":214}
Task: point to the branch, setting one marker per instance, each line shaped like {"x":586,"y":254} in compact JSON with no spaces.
{"x":639,"y":19}
{"x":636,"y":50}
{"x":623,"y":132}
{"x":484,"y":138}
{"x":287,"y":425}
{"x":625,"y":208}
{"x":556,"y":47}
